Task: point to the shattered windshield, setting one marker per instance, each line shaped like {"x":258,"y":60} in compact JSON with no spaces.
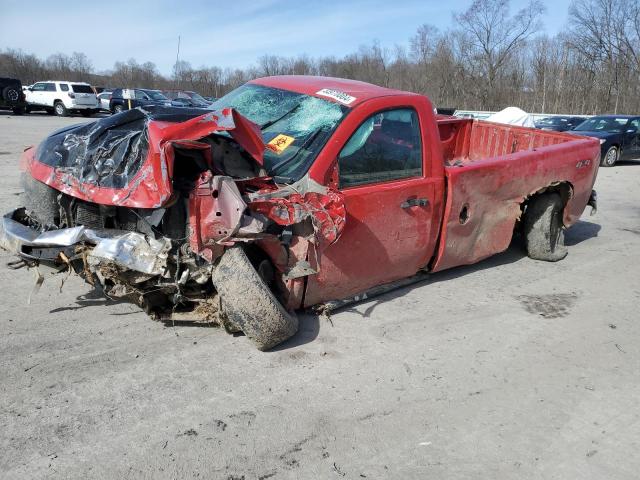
{"x":294,"y":126}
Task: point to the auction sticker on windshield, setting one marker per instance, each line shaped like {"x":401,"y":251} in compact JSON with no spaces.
{"x":336,"y":95}
{"x":280,"y":143}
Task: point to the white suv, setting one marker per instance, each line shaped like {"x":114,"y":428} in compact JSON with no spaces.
{"x":61,"y":97}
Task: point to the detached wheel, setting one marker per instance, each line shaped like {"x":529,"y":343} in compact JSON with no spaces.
{"x":611,"y":157}
{"x":544,"y":235}
{"x":60,"y":109}
{"x":249,"y":303}
{"x":40,"y":200}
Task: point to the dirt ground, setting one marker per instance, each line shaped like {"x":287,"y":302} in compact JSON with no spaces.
{"x":509,"y":369}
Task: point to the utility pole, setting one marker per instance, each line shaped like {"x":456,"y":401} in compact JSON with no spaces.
{"x":175,"y":70}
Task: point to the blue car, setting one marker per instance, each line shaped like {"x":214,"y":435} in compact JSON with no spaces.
{"x":619,"y":136}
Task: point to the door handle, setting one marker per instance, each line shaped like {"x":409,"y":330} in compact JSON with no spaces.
{"x":414,"y":202}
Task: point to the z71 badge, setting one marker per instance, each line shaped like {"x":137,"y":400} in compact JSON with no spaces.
{"x":583,"y":163}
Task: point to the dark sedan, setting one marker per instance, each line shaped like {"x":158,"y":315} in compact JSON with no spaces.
{"x":619,"y":136}
{"x":558,"y":123}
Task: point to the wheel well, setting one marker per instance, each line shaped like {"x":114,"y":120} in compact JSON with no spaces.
{"x":57,"y":100}
{"x":565,"y":189}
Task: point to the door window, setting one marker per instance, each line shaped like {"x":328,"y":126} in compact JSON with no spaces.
{"x":49,"y":87}
{"x":38,"y":87}
{"x":385,"y":147}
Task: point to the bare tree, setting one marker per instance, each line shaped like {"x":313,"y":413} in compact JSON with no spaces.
{"x":494,"y":35}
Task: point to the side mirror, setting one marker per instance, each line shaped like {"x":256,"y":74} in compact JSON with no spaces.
{"x":30,"y":89}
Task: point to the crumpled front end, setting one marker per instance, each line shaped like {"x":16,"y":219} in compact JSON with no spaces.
{"x":144,"y":206}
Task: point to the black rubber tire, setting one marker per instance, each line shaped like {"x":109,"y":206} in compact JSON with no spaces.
{"x":40,"y":200}
{"x":60,"y":110}
{"x":248,"y":302}
{"x":11,"y":94}
{"x":543,"y":230}
{"x":118,"y":109}
{"x":18,"y":110}
{"x":610,"y":158}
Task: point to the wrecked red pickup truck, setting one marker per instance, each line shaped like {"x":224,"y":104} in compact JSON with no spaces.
{"x":291,"y":192}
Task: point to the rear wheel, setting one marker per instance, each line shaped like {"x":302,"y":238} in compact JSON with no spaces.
{"x":543,"y":228}
{"x":249,"y":303}
{"x":611,"y":157}
{"x":60,"y":109}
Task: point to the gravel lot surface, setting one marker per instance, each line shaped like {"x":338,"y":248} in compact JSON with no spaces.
{"x":509,"y":369}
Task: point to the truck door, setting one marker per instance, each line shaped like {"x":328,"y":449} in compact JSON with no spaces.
{"x":389,"y":200}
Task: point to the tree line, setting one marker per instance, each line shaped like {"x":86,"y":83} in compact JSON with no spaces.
{"x":489,"y":58}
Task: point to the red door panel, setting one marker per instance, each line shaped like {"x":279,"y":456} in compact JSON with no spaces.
{"x":381,"y":241}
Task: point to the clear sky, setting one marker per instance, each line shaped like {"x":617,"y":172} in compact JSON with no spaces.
{"x":227,"y":34}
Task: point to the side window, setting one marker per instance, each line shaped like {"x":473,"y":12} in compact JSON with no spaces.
{"x":38,"y":87}
{"x":49,"y":87}
{"x":64,"y":87}
{"x":635,"y":123}
{"x":385,"y":147}
{"x":140,"y":95}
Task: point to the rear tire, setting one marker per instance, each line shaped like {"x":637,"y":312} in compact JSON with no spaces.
{"x":248,"y":302}
{"x":60,"y":109}
{"x":543,"y":230}
{"x":40,"y":200}
{"x":611,"y":157}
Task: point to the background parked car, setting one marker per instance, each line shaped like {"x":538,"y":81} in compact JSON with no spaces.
{"x":559,"y":123}
{"x":104,"y":98}
{"x":141,"y":97}
{"x":182,"y":98}
{"x":62,"y":97}
{"x":11,"y":95}
{"x":619,"y":134}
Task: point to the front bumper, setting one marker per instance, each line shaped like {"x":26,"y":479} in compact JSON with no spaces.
{"x":125,"y":249}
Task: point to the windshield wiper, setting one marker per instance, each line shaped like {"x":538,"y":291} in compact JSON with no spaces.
{"x":276,"y":120}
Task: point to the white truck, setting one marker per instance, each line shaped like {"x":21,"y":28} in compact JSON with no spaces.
{"x":62,"y":98}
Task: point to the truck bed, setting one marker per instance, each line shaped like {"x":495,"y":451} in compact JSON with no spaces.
{"x":491,"y":169}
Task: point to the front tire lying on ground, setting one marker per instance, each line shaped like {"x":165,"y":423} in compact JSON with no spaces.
{"x":248,"y":302}
{"x":543,"y":228}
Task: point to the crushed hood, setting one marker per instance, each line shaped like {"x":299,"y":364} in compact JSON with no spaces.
{"x":128,"y":159}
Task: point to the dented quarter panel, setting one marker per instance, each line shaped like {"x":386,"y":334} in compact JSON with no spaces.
{"x":491,"y":182}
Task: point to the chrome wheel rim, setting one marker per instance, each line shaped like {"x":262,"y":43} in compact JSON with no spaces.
{"x":611,"y":156}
